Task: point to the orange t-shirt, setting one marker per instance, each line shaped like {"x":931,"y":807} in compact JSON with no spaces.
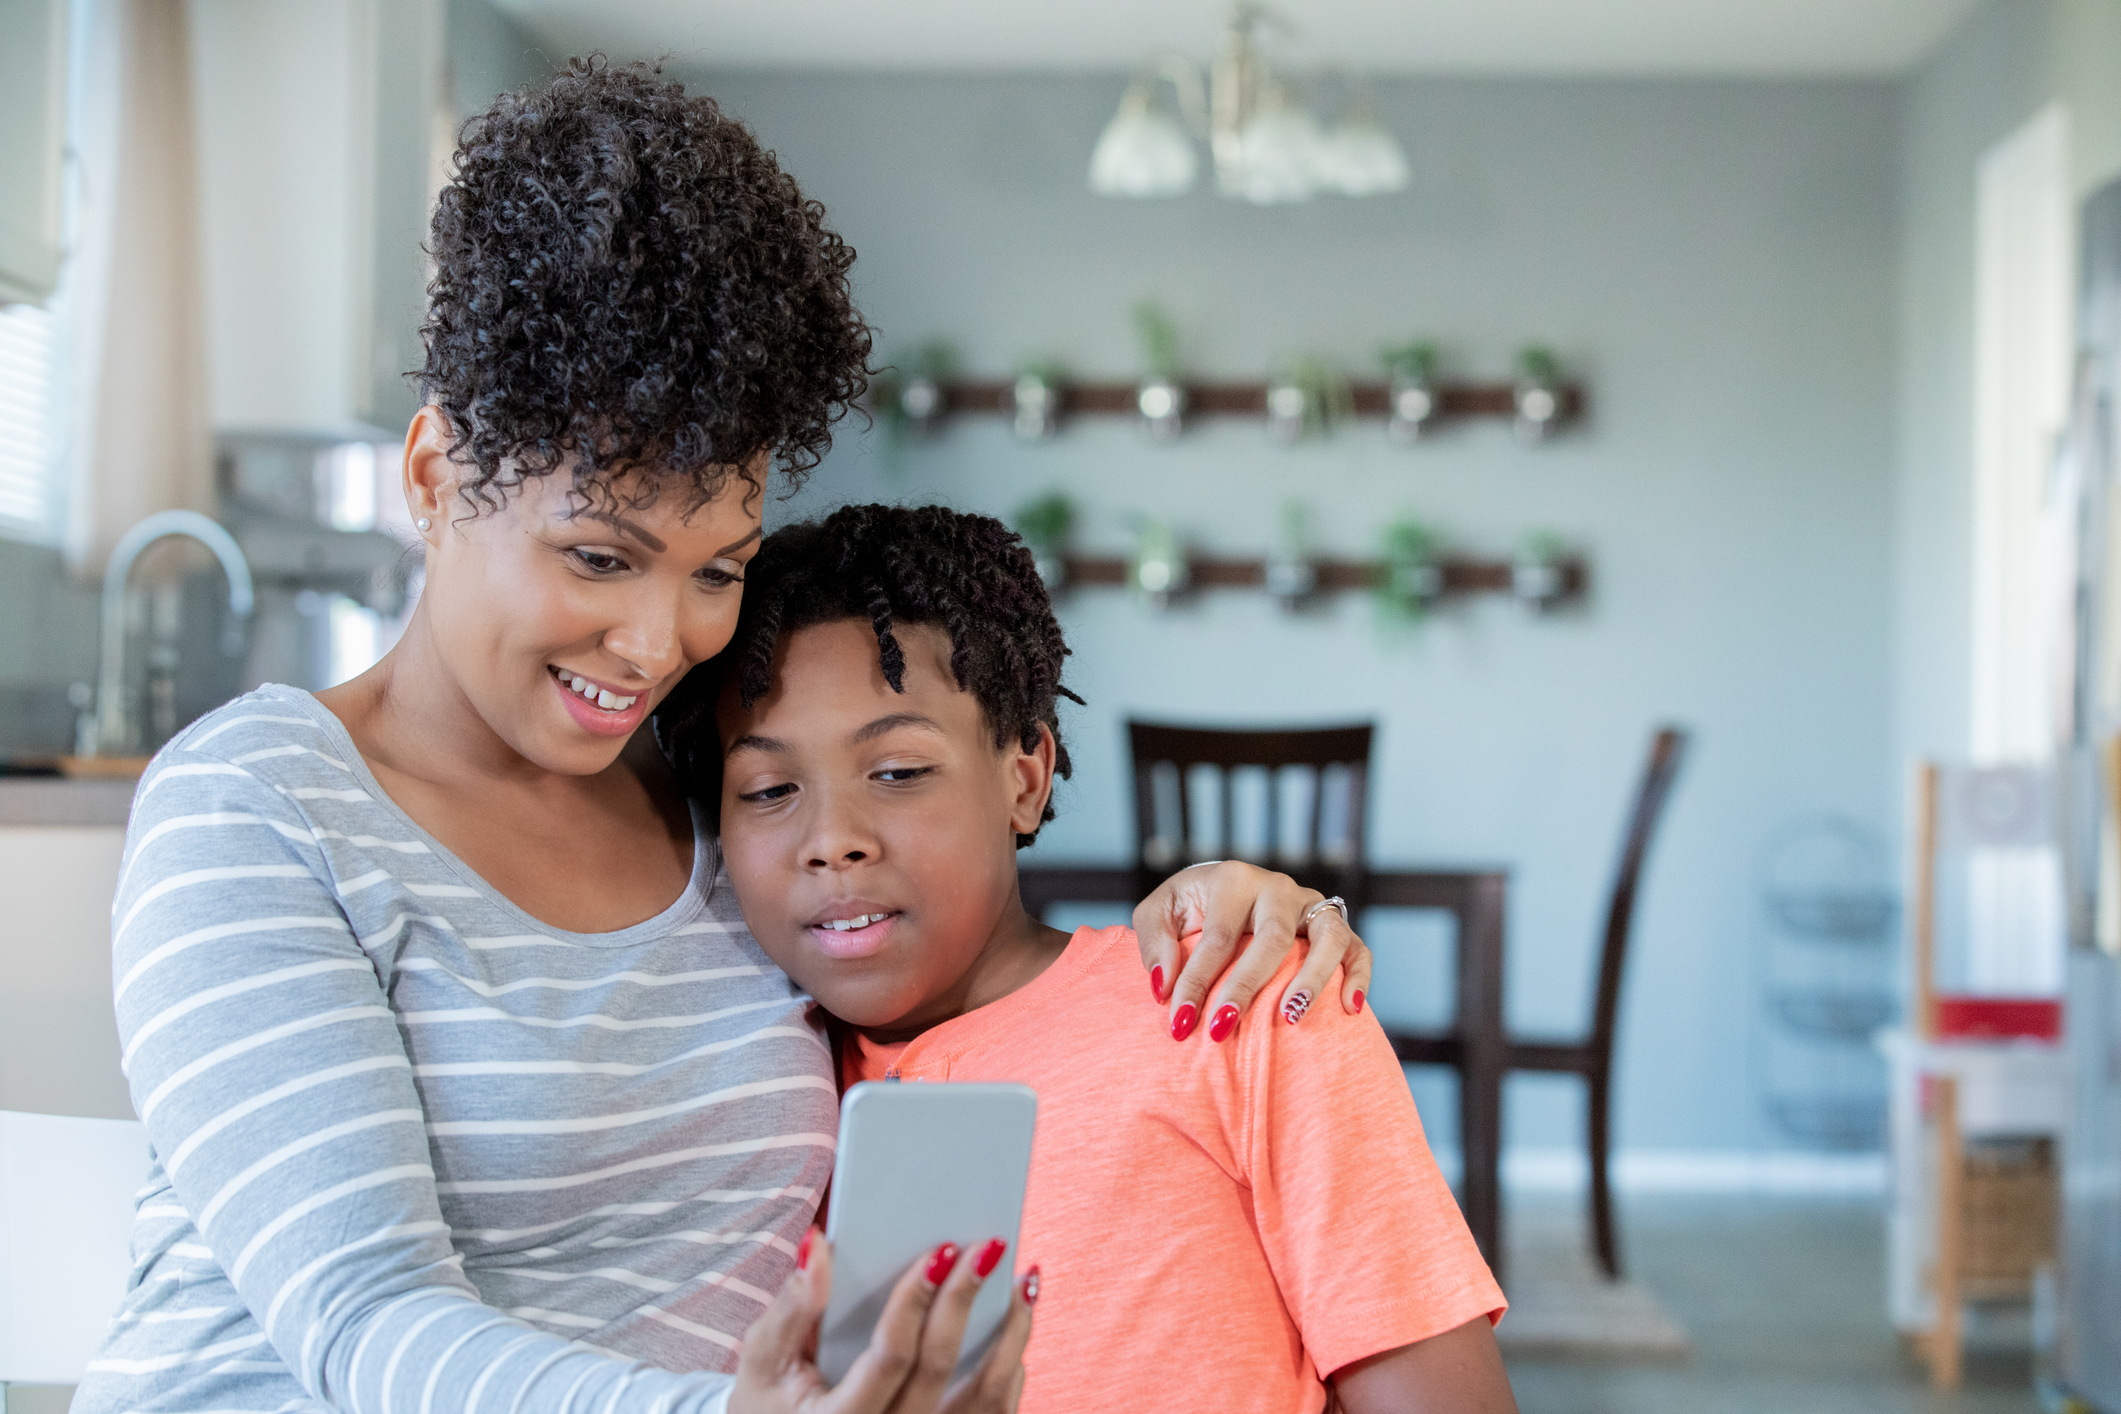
{"x":1216,"y":1226}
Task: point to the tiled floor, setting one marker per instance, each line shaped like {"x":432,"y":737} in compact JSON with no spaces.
{"x":1784,"y":1300}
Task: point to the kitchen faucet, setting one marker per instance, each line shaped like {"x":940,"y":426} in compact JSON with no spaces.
{"x":113,"y":733}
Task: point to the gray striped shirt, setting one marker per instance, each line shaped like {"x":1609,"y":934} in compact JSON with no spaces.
{"x":415,"y":1150}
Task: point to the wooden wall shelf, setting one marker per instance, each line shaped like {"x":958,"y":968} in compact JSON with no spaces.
{"x":1454,"y":401}
{"x":1461,"y":577}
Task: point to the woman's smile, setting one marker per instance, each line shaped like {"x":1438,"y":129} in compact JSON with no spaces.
{"x":596,"y":708}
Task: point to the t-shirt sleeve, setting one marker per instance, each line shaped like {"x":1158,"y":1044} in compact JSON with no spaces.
{"x":266,"y":1063}
{"x":1365,"y":1240}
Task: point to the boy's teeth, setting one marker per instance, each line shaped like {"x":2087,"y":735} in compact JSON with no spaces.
{"x":848,"y":925}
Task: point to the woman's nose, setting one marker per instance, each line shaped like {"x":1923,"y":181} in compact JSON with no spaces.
{"x":649,"y":636}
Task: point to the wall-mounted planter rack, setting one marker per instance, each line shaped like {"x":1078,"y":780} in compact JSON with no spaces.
{"x":1454,"y":401}
{"x":1546,"y":583}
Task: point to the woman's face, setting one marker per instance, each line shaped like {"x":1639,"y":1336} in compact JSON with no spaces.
{"x":563,"y":625}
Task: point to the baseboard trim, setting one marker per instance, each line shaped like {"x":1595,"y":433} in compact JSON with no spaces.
{"x":1542,"y":1170}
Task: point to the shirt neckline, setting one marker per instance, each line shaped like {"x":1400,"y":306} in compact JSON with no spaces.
{"x":944,"y":1042}
{"x":690,"y":904}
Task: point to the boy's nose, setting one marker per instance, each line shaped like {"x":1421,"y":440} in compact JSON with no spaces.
{"x":852,"y":856}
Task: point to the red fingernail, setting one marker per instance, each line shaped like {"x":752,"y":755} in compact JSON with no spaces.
{"x":1225,"y":1022}
{"x":1156,"y":983}
{"x":802,"y":1253}
{"x":1358,"y":1003}
{"x":1031,"y":1287}
{"x":1182,"y":1024}
{"x":988,"y":1256}
{"x":940,"y":1264}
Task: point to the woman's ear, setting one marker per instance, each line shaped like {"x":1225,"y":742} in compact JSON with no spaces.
{"x":430,"y":475}
{"x":1031,"y":776}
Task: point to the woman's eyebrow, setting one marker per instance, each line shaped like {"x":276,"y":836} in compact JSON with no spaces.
{"x":892,"y":723}
{"x":736,"y":545}
{"x":627,"y":527}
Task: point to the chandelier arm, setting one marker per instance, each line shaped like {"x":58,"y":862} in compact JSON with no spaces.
{"x":1187,"y":85}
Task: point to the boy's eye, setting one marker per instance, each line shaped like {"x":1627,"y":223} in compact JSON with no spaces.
{"x":899,"y":775}
{"x":597,"y":562}
{"x":767,"y":795}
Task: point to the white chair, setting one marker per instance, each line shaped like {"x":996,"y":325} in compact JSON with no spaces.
{"x":67,"y":1187}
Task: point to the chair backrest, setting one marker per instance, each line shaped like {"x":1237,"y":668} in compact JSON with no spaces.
{"x":67,"y":1188}
{"x":1168,"y":759}
{"x":1667,"y":749}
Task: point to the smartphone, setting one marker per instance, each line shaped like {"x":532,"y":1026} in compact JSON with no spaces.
{"x":921,"y":1164}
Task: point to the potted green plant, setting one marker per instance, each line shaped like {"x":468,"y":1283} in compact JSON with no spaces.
{"x":1538,"y":392}
{"x":1538,"y":572}
{"x":1160,"y":399}
{"x":1306,"y":397}
{"x":909,"y":394}
{"x":1158,"y":570}
{"x":1291,"y":577}
{"x":1035,"y":400}
{"x":1410,"y":578}
{"x":1413,"y":392}
{"x":1048,"y":525}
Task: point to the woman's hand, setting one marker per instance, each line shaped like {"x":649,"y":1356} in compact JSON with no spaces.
{"x":906,"y":1369}
{"x":1223,"y":902}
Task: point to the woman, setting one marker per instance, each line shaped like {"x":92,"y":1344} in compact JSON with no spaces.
{"x":467,"y":1087}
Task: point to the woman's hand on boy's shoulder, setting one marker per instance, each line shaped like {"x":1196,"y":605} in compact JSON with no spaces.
{"x":1223,"y":902}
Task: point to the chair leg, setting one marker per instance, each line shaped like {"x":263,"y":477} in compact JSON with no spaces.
{"x":1946,"y":1337}
{"x":1600,"y":1142}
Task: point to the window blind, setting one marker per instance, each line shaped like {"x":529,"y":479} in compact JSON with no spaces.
{"x":28,"y":368}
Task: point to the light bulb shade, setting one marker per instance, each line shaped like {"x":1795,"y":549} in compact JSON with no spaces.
{"x":1143,"y":152}
{"x":1278,"y":156}
{"x":1359,"y":158}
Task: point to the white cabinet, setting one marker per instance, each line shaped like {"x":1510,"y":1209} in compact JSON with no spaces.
{"x":58,"y":1038}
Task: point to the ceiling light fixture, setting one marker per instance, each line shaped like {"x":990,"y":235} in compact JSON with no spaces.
{"x":1267,"y":149}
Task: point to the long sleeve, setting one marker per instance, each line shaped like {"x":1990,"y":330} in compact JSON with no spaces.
{"x":266,"y":1060}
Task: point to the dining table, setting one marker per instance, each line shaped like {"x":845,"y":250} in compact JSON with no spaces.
{"x":1475,"y":898}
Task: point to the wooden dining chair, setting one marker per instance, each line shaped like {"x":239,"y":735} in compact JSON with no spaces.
{"x":1332,"y":852}
{"x":1591,"y":1056}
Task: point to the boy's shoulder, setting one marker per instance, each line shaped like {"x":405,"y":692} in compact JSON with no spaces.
{"x":1110,"y":980}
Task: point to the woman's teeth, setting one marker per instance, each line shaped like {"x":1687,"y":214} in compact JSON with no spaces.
{"x":609,"y":701}
{"x":848,"y":925}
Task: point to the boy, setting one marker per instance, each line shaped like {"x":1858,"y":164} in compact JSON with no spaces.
{"x":1228,"y":1226}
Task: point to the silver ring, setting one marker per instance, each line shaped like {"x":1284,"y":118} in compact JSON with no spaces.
{"x":1337,"y":903}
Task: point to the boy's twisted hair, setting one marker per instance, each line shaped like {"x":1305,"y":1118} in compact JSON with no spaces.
{"x":968,"y":575}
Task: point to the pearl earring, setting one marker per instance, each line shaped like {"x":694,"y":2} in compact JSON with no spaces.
{"x":423,"y":522}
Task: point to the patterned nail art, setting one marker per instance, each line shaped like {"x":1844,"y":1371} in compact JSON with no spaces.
{"x":1292,"y":1011}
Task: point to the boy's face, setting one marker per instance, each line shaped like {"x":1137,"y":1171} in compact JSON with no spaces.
{"x":845,"y":803}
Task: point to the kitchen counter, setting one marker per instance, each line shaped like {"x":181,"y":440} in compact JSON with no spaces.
{"x":54,"y":800}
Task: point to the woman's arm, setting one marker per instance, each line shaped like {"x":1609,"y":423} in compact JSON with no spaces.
{"x":264,"y":1057}
{"x":1223,"y":902}
{"x":1458,"y":1372}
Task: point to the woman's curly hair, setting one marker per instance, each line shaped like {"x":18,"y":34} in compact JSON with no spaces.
{"x":968,"y":575}
{"x":624,"y":279}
